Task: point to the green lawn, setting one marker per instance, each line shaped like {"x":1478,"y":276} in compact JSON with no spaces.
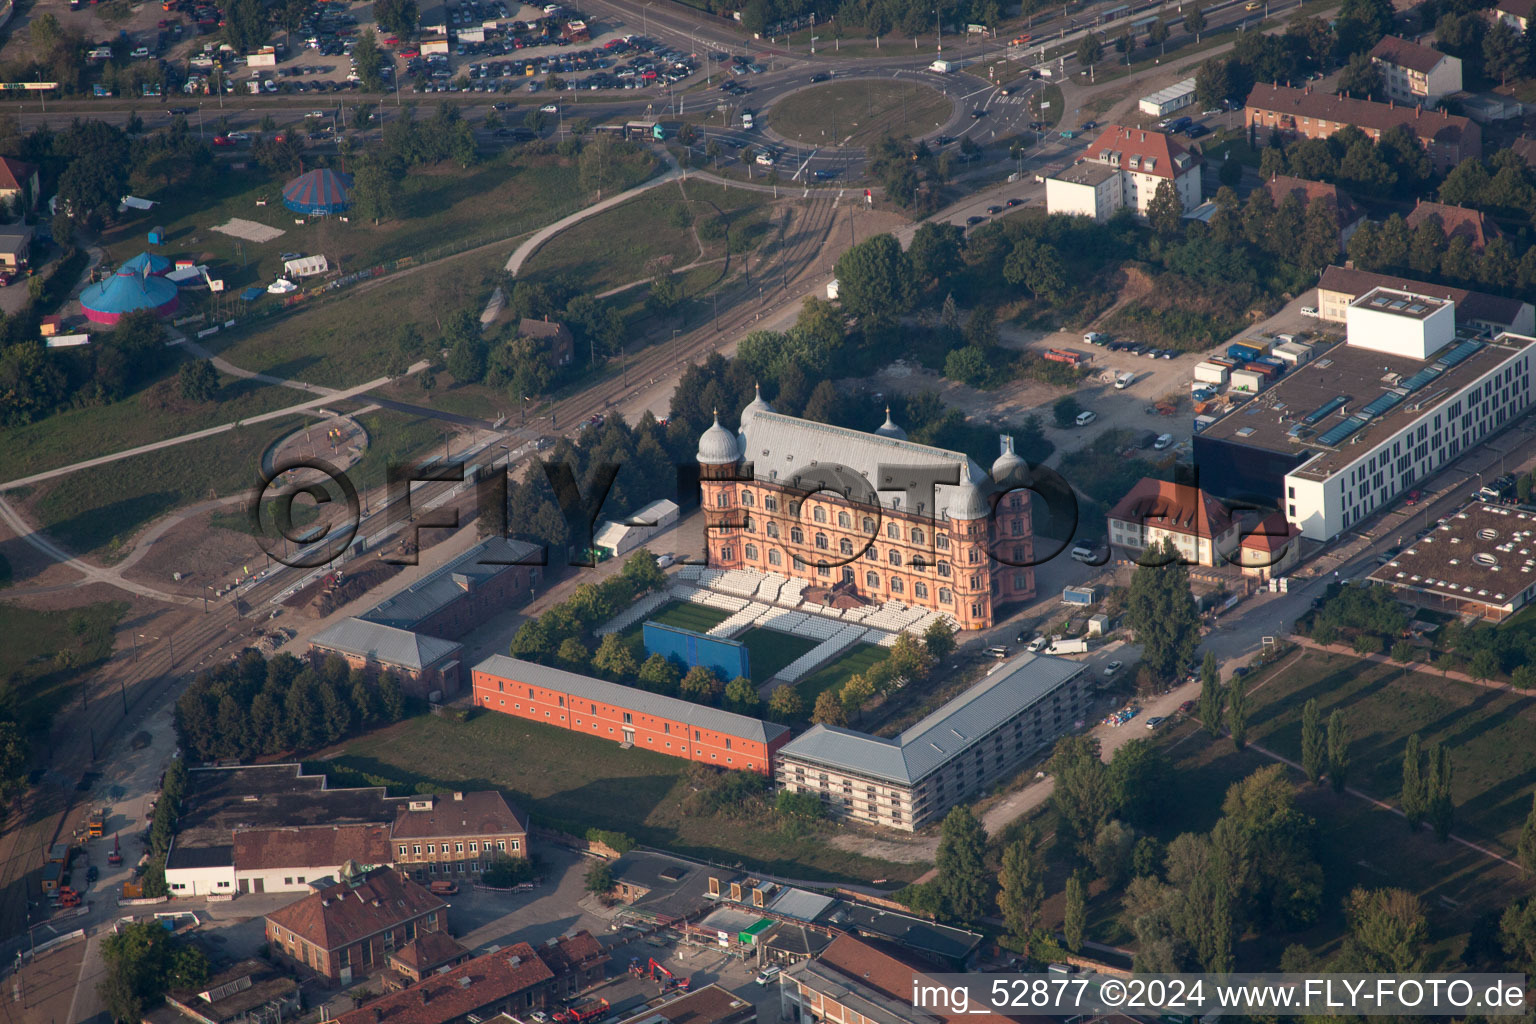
{"x":700,"y":618}
{"x":567,"y":779}
{"x":770,"y":650}
{"x":156,"y":412}
{"x":838,"y":671}
{"x":1491,"y":734}
{"x":46,"y":654}
{"x":96,"y":511}
{"x":650,"y":234}
{"x":858,"y":111}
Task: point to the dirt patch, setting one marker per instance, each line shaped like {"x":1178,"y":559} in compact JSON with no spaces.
{"x":917,"y":850}
{"x":204,"y":554}
{"x":331,"y":591}
{"x":996,"y":406}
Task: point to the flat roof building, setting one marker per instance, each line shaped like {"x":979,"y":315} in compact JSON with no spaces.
{"x":1339,"y":438}
{"x":708,"y":1005}
{"x":951,"y":755}
{"x":854,"y":980}
{"x":1481,"y":562}
{"x":1477,"y":312}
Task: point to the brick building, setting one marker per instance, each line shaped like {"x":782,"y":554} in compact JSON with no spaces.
{"x":1309,"y":114}
{"x":424,"y":955}
{"x":346,"y":931}
{"x":456,"y":835}
{"x":857,"y":981}
{"x":423,"y":664}
{"x":625,"y":714}
{"x":578,"y":962}
{"x":1456,"y":222}
{"x":800,"y":514}
{"x":1415,"y":73}
{"x":1346,"y":214}
{"x":462,"y":594}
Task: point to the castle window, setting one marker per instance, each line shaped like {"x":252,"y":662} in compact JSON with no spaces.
{"x":843,"y":520}
{"x":944,"y":595}
{"x":797,"y":535}
{"x":896,"y":585}
{"x":869,"y":526}
{"x":917,"y":536}
{"x":943,"y":568}
{"x":746,"y":498}
{"x":845,"y":546}
{"x":895,"y":557}
{"x":819,"y":514}
{"x":893,"y":531}
{"x":773,"y":529}
{"x":871,"y":554}
{"x":751,"y":550}
{"x":821,"y":541}
{"x":770,"y":503}
{"x":723,"y":500}
{"x":774,"y":558}
{"x":920,"y":590}
{"x":872,"y":579}
{"x":941,"y":542}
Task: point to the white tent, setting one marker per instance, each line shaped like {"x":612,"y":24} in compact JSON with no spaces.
{"x":282,"y":286}
{"x":306,"y":266}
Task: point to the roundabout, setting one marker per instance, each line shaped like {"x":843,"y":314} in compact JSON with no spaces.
{"x":856,"y":112}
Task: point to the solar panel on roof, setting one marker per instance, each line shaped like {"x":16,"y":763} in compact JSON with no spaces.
{"x":1323,"y":410}
{"x":1460,"y":354}
{"x":1382,"y":404}
{"x":1340,"y":432}
{"x":1421,"y":378}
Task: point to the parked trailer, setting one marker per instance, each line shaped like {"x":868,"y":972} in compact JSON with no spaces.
{"x":1249,"y":380}
{"x":1211,"y":373}
{"x":1064,"y":646}
{"x":1065,"y":355}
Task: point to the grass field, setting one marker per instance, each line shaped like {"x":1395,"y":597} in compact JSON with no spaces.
{"x":157,"y":411}
{"x":769,"y":650}
{"x":348,"y":340}
{"x":571,"y":778}
{"x":1491,"y":734}
{"x":838,"y":671}
{"x":47,"y":654}
{"x":96,"y":510}
{"x":859,"y":111}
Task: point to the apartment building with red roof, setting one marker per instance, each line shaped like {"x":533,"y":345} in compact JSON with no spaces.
{"x":1309,"y":114}
{"x":1415,"y":73}
{"x":346,"y":931}
{"x":1456,"y":222}
{"x":1200,"y":526}
{"x":1122,"y":168}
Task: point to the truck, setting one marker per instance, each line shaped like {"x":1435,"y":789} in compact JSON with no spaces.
{"x":747,"y":119}
{"x":1063,"y":645}
{"x":1064,"y":355}
{"x":943,"y":67}
{"x":1124,"y":380}
{"x":96,"y":825}
{"x":266,"y":57}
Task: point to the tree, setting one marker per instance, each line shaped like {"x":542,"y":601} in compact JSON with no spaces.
{"x":961,"y":864}
{"x":876,"y":280}
{"x":615,"y":659}
{"x":1076,"y":916}
{"x":1090,"y":50}
{"x":599,"y":878}
{"x":1065,"y":411}
{"x":1338,"y":751}
{"x":1161,"y":609}
{"x":1506,"y":53}
{"x":785,"y":703}
{"x":1021,"y":884}
{"x":1388,"y":932}
{"x":1525,"y":848}
{"x":1314,"y":756}
{"x":1237,"y":711}
{"x":1210,"y":695}
{"x":367,"y":60}
{"x":397,"y":16}
{"x":1319,"y":236}
{"x":828,"y":710}
{"x":856,"y":692}
{"x":1111,"y":854}
{"x":939,"y":638}
{"x":1361,"y":77}
{"x":375,"y":191}
{"x":573,"y":655}
{"x":1194,"y":20}
{"x":659,"y":674}
{"x":701,"y":685}
{"x":935,"y":250}
{"x":198,"y":380}
{"x":466,"y":360}
{"x":1084,"y":795}
{"x":1414,"y":796}
{"x":144,"y":961}
{"x":1213,"y":81}
{"x":13,"y":761}
{"x":1166,"y":210}
{"x":1438,"y":804}
{"x":742,"y":696}
{"x":1157,"y":33}
{"x":1142,"y":782}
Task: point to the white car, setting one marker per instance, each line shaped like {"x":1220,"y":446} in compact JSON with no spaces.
{"x":549,"y":108}
{"x":1086,"y":417}
{"x":140,"y":53}
{"x":1309,"y":311}
{"x":1112,"y":668}
{"x":240,"y":136}
{"x":1163,"y":441}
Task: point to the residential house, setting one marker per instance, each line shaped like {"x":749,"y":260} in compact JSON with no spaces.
{"x":18,"y":183}
{"x":1123,"y":167}
{"x":456,"y":835}
{"x":553,"y":337}
{"x":425,"y":955}
{"x":16,"y":247}
{"x":1271,"y":549}
{"x":1346,"y":214}
{"x":1517,"y":14}
{"x":1414,"y":73}
{"x":1200,"y":527}
{"x":1456,"y":222}
{"x":1309,"y":114}
{"x":346,"y":931}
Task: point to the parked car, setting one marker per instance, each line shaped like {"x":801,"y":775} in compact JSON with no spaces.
{"x":1309,"y":311}
{"x":1163,"y":441}
{"x":998,"y":651}
{"x":1155,"y":721}
{"x":1413,"y":497}
{"x":1086,"y":417}
{"x":1187,"y":707}
{"x":1113,"y":667}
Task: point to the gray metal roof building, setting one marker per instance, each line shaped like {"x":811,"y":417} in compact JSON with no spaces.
{"x":592,"y":689}
{"x":943,"y":735}
{"x":450,"y":580}
{"x":387,"y":645}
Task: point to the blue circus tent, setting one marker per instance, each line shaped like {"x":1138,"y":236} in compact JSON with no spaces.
{"x":125,"y":292}
{"x":154,"y":262}
{"x":318,"y":193}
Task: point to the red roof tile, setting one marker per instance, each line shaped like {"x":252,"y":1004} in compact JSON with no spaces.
{"x":482,"y":813}
{"x":1407,"y":54}
{"x":14,"y":174}
{"x":1272,"y":533}
{"x":1456,"y":220}
{"x":429,"y":950}
{"x":1178,"y":508}
{"x":863,"y":964}
{"x":1519,"y":8}
{"x":1282,"y":185}
{"x":1146,"y":152}
{"x":452,"y":995}
{"x":1363,"y":114}
{"x":571,"y":952}
{"x":341,"y":914}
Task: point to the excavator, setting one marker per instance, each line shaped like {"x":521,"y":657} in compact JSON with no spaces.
{"x":666,"y":978}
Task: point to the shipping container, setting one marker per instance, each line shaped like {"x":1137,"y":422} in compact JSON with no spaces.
{"x":1271,"y":372}
{"x":1065,"y":355}
{"x":1203,"y":421}
{"x":1244,"y":352}
{"x":1211,"y":373}
{"x":1293,"y":352}
{"x":1249,"y":380}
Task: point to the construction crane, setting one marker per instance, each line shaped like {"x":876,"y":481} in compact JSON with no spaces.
{"x":667,"y":979}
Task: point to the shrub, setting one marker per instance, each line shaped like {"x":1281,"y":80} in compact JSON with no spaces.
{"x":618,"y":842}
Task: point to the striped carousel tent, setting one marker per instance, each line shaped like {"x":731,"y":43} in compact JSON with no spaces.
{"x":318,"y":193}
